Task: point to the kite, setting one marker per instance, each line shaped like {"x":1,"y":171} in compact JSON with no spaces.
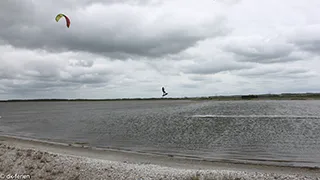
{"x":164,"y":92}
{"x":59,"y":16}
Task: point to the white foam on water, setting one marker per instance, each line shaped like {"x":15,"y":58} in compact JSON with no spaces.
{"x":252,"y":116}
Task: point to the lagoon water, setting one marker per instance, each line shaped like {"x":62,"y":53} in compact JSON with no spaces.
{"x":263,"y":132}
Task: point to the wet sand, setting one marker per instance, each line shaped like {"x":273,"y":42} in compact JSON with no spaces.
{"x":22,"y":158}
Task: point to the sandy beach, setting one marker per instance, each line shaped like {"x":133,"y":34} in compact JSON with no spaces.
{"x":32,"y":159}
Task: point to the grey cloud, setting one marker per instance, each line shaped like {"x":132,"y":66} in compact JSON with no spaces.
{"x":33,"y":74}
{"x":85,"y":78}
{"x":34,"y":85}
{"x":309,"y":45}
{"x":306,"y":38}
{"x":189,"y":85}
{"x":203,"y":79}
{"x":54,"y":80}
{"x":198,"y":78}
{"x":213,"y":67}
{"x":165,"y":67}
{"x":131,"y":2}
{"x":127,"y":35}
{"x":259,"y":50}
{"x":276,"y":72}
{"x":15,"y":12}
{"x":39,"y":89}
{"x":292,"y":75}
{"x":82,"y":63}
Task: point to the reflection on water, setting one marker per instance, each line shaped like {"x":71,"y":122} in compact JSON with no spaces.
{"x":268,"y":132}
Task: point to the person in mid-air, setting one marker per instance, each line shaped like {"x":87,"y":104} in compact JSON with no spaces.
{"x":164,"y":92}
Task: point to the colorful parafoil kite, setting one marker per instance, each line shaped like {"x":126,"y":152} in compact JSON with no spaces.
{"x":59,"y":16}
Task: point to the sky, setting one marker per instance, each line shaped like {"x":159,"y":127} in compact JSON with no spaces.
{"x":132,"y":48}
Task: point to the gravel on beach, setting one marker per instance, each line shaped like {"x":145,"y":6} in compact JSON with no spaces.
{"x":28,"y":163}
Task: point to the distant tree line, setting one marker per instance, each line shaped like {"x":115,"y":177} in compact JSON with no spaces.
{"x":249,"y":96}
{"x":293,"y":96}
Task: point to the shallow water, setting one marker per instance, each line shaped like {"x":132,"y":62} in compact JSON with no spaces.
{"x":264,"y":132}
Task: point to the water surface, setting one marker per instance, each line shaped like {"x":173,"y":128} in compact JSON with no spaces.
{"x":264,"y":132}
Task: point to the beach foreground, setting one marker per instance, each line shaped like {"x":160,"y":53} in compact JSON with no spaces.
{"x":31,"y":159}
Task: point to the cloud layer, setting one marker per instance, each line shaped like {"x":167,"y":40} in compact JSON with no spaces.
{"x":131,"y":48}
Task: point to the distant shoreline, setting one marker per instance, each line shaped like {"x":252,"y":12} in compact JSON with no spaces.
{"x":283,"y":96}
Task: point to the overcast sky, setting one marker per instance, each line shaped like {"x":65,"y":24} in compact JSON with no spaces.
{"x":131,"y":48}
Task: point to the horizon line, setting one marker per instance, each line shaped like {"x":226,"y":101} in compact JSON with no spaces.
{"x":159,"y":98}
